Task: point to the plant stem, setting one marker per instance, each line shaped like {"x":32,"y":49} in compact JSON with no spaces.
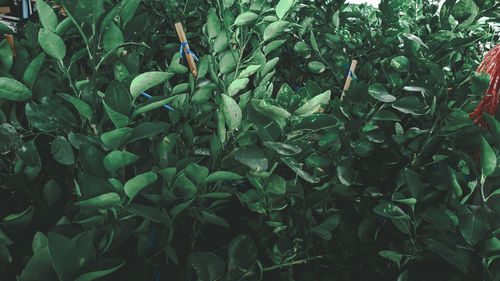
{"x":66,"y":71}
{"x":291,"y":263}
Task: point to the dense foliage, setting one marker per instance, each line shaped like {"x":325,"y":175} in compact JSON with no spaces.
{"x":261,"y":171}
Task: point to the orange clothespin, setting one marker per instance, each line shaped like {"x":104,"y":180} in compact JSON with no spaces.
{"x":190,"y":56}
{"x":349,"y":77}
{"x":10,"y":40}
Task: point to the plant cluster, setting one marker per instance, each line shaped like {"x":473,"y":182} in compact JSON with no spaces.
{"x":261,"y":171}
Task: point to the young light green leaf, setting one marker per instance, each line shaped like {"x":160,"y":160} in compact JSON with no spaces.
{"x":148,"y":80}
{"x":102,"y":201}
{"x":245,"y":19}
{"x":237,"y":85}
{"x":47,"y":16}
{"x":275,"y":29}
{"x":379,"y":92}
{"x":488,"y":160}
{"x":283,"y":7}
{"x":52,"y":44}
{"x":31,"y":72}
{"x":213,"y":23}
{"x":118,"y":159}
{"x":135,"y":185}
{"x":112,"y":38}
{"x":232,"y":112}
{"x":13,"y":90}
{"x":222,"y":175}
{"x":312,"y":105}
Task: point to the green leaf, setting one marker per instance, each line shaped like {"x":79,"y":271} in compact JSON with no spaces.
{"x":196,"y":173}
{"x":222,"y":175}
{"x":480,"y":83}
{"x":148,"y":212}
{"x":390,"y":210}
{"x":472,"y":229}
{"x":82,"y":107}
{"x":29,"y":154}
{"x":63,"y":254}
{"x":276,"y":185}
{"x":283,"y":7}
{"x":464,"y":9}
{"x":213,"y":23}
{"x":296,"y":167}
{"x":312,"y":105}
{"x":152,"y":105}
{"x":412,"y":179}
{"x":102,"y":268}
{"x":148,"y":80}
{"x":227,"y":62}
{"x":213,"y":219}
{"x":118,"y":159}
{"x":392,"y":256}
{"x":51,"y":192}
{"x":6,"y":56}
{"x":379,"y":92}
{"x":135,"y":185}
{"x":184,"y":187}
{"x":410,"y":105}
{"x":400,"y":64}
{"x":273,"y":45}
{"x":19,"y":220}
{"x":5,"y":29}
{"x":232,"y":112}
{"x":242,"y":253}
{"x":117,"y":137}
{"x":39,"y":265}
{"x":314,"y":44}
{"x":112,"y":38}
{"x":269,"y":110}
{"x":128,"y":10}
{"x":47,"y":16}
{"x":324,"y":229}
{"x":488,"y":159}
{"x":275,"y":29}
{"x":106,"y":200}
{"x":245,"y":19}
{"x":31,"y":72}
{"x":237,"y":85}
{"x":52,"y":44}
{"x":346,"y":175}
{"x":120,"y":120}
{"x":316,"y":67}
{"x":208,"y":266}
{"x":283,"y":148}
{"x":13,"y":90}
{"x":253,"y":157}
{"x":61,"y":151}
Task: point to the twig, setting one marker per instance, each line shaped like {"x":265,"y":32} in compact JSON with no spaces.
{"x":291,"y":263}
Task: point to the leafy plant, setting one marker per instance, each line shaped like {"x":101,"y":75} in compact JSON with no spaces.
{"x":256,"y":170}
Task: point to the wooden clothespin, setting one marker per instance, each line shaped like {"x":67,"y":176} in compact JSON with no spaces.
{"x":349,"y":78}
{"x":10,"y":40}
{"x":185,"y":49}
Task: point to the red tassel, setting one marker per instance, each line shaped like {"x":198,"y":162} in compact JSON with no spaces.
{"x":489,"y":103}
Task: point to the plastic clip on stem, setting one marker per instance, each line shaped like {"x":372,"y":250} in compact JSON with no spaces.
{"x":149,"y":96}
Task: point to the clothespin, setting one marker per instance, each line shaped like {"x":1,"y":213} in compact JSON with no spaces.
{"x":350,"y":75}
{"x":190,"y":56}
{"x":10,"y":40}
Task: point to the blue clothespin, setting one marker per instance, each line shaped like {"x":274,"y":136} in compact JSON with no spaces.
{"x":351,"y":73}
{"x":188,"y":51}
{"x":151,"y":236}
{"x":166,"y":106}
